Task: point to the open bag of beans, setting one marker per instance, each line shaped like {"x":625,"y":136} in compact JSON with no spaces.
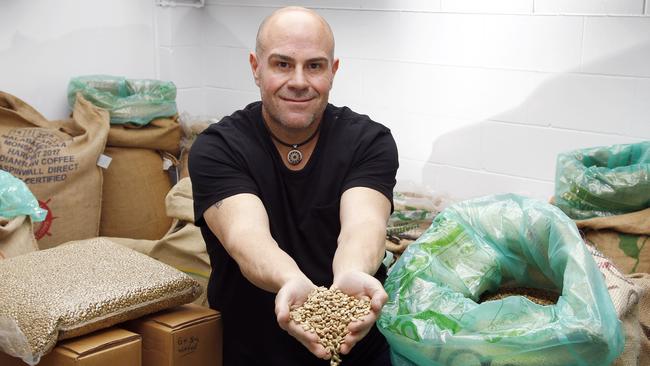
{"x":80,"y":287}
{"x":603,"y":181}
{"x":434,"y":315}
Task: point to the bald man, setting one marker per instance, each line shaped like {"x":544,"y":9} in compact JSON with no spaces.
{"x":293,"y":193}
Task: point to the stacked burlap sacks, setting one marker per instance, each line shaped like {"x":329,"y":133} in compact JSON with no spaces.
{"x":58,"y":161}
{"x":192,"y":126}
{"x":182,"y":246}
{"x":136,"y":183}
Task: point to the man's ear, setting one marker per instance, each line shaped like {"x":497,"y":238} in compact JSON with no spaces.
{"x":252,"y":59}
{"x":335,"y":66}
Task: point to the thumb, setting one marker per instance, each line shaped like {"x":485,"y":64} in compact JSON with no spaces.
{"x":282,"y":308}
{"x":378,"y":299}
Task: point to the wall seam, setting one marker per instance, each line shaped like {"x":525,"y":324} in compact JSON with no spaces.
{"x":476,"y":170}
{"x":397,"y":10}
{"x":582,"y":43}
{"x":156,"y":41}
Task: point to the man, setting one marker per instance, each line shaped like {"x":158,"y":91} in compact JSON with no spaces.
{"x":293,"y":193}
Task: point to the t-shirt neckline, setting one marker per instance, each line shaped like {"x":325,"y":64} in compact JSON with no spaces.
{"x":315,"y":155}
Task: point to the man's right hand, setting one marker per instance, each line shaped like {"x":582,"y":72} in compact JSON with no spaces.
{"x":294,"y":292}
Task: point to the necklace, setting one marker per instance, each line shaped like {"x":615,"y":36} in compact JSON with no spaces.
{"x":294,"y":156}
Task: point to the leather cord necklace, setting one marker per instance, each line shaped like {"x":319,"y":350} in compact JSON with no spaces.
{"x":294,"y":156}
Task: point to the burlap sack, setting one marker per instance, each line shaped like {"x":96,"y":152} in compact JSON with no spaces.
{"x":625,"y":239}
{"x":58,"y":162}
{"x":625,"y":296}
{"x":160,"y":134}
{"x":183,"y":167}
{"x":16,"y":236}
{"x":133,"y":202}
{"x":642,"y":280}
{"x":183,"y":246}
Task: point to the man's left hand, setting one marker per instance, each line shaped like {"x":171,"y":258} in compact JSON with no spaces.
{"x":361,"y":285}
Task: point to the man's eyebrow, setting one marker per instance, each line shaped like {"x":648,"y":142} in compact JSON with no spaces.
{"x":318,"y":59}
{"x":280,"y":57}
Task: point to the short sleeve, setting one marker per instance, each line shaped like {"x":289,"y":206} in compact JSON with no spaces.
{"x":375,"y":165}
{"x":216,"y":172}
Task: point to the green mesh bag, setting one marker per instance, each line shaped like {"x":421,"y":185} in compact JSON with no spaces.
{"x":134,"y":101}
{"x":603,"y":181}
{"x":432,"y":316}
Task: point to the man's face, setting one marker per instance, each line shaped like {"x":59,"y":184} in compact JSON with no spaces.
{"x":294,"y":72}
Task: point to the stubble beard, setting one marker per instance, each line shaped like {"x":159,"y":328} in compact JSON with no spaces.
{"x":274,"y":117}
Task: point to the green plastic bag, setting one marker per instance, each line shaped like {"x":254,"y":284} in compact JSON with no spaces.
{"x":603,"y":181}
{"x":135,"y":101}
{"x":16,"y":199}
{"x":432,"y":316}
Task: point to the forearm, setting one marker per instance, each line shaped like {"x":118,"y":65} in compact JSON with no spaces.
{"x":241,"y":224}
{"x":360,"y":249}
{"x":262,"y":262}
{"x":361,"y":242}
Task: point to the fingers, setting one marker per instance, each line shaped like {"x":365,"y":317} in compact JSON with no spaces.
{"x":310,"y":340}
{"x":364,"y":323}
{"x":282,"y":310}
{"x":379,"y":298}
{"x":357,"y":330}
{"x":291,"y":294}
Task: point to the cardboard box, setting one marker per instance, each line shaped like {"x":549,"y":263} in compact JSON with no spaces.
{"x":108,"y":347}
{"x":188,"y":335}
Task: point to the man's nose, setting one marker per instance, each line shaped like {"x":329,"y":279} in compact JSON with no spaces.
{"x":298,"y":79}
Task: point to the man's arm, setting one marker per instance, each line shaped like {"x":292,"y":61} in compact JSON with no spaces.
{"x":361,"y":247}
{"x":242,"y":226}
{"x":364,"y":213}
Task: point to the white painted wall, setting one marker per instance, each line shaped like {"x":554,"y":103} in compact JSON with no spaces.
{"x":481,"y":95}
{"x":44,"y":43}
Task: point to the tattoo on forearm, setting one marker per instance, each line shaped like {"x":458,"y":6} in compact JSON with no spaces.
{"x":218,"y":204}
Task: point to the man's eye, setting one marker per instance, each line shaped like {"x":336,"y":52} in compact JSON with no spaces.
{"x":283,"y":65}
{"x":315,"y":66}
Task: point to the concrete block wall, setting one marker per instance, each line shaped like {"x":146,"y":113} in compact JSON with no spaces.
{"x":43,"y":44}
{"x":481,"y":96}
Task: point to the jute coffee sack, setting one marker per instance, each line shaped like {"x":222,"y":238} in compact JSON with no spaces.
{"x":58,"y":162}
{"x":625,"y":239}
{"x":80,"y":287}
{"x":192,"y":126}
{"x":625,"y":295}
{"x":16,"y":237}
{"x":160,"y":134}
{"x":642,"y":280}
{"x":133,"y":195}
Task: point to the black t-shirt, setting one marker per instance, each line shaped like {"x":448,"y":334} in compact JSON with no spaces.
{"x":236,"y":156}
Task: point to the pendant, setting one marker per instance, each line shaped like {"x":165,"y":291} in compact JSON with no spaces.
{"x":294,"y":157}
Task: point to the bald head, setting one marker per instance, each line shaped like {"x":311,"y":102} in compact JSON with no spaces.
{"x":282,"y":22}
